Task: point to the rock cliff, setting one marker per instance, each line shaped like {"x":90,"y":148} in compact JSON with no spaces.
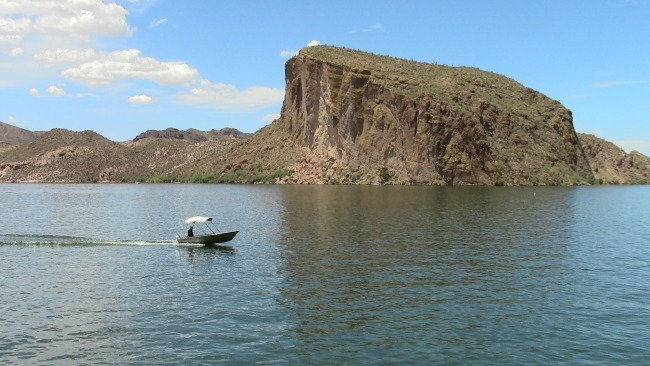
{"x":377,"y":119}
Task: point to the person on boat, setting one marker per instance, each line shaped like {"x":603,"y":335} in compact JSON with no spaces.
{"x":190,"y":232}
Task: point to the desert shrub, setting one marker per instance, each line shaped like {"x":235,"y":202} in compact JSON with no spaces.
{"x":385,"y":175}
{"x":201,"y":178}
{"x":162,"y":179}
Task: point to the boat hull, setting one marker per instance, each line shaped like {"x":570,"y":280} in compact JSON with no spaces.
{"x":209,"y":239}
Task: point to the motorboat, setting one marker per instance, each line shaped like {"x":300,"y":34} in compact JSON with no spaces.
{"x":206,"y":233}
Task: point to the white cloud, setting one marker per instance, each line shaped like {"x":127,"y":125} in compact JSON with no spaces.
{"x":157,"y":22}
{"x":227,"y":97}
{"x":629,"y":145}
{"x":11,"y":119}
{"x":55,"y":91}
{"x":61,"y":18}
{"x":52,"y":90}
{"x":140,"y":99}
{"x":609,"y":84}
{"x":61,"y":37}
{"x":582,"y":96}
{"x":13,"y":30}
{"x":270,"y":117}
{"x":28,"y":27}
{"x":65,"y":56}
{"x":288,"y":53}
{"x":291,"y":53}
{"x":138,"y":6}
{"x":377,"y":27}
{"x":16,"y":51}
{"x":101,"y":68}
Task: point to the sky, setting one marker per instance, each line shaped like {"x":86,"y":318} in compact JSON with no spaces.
{"x":121,"y":67}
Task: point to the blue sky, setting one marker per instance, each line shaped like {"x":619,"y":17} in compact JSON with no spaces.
{"x":122,"y":67}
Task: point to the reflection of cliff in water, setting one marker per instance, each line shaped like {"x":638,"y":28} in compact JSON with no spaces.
{"x":323,"y":224}
{"x":365,"y":256}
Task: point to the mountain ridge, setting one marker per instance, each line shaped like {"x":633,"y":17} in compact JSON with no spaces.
{"x":611,"y":164}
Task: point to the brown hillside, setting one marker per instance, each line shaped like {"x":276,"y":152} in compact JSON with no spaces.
{"x":612,"y":165}
{"x":62,"y":156}
{"x":12,"y":135}
{"x":66,"y":156}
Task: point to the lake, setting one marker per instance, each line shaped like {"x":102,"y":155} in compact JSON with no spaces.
{"x":90,"y":274}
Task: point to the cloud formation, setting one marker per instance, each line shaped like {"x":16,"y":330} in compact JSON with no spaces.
{"x":100,"y":68}
{"x":157,"y":22}
{"x":288,"y":53}
{"x":55,"y":91}
{"x":377,"y":27}
{"x":63,"y":18}
{"x":609,"y":84}
{"x":291,"y":53}
{"x":59,"y":38}
{"x":52,"y":90}
{"x":270,"y":117}
{"x":632,"y":145}
{"x":140,"y":99}
{"x":16,"y":51}
{"x":229,"y":97}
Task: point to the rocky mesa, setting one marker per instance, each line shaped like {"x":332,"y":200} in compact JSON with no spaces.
{"x":403,"y":122}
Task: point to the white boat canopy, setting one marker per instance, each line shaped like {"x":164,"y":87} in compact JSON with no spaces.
{"x":198,"y":219}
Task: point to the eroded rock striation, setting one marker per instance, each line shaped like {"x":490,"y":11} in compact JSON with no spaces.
{"x":386,"y":120}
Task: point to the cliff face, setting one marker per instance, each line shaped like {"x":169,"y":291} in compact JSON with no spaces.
{"x":378,"y":119}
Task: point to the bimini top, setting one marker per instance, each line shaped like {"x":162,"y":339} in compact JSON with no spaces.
{"x":198,"y":219}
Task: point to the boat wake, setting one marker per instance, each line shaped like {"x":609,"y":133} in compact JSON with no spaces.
{"x":62,"y":240}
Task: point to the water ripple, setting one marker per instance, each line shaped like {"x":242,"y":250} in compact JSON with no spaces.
{"x":328,"y":275}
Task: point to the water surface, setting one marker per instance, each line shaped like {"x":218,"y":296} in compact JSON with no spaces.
{"x":325,"y":275}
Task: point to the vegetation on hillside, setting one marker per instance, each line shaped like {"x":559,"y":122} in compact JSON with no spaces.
{"x":414,"y":79}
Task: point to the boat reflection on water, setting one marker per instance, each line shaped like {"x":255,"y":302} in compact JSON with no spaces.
{"x":198,"y":252}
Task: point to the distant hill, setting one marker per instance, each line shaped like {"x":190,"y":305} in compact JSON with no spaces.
{"x":66,"y":156}
{"x":612,"y":165}
{"x":351,"y":117}
{"x":11,"y":135}
{"x":192,"y":134}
